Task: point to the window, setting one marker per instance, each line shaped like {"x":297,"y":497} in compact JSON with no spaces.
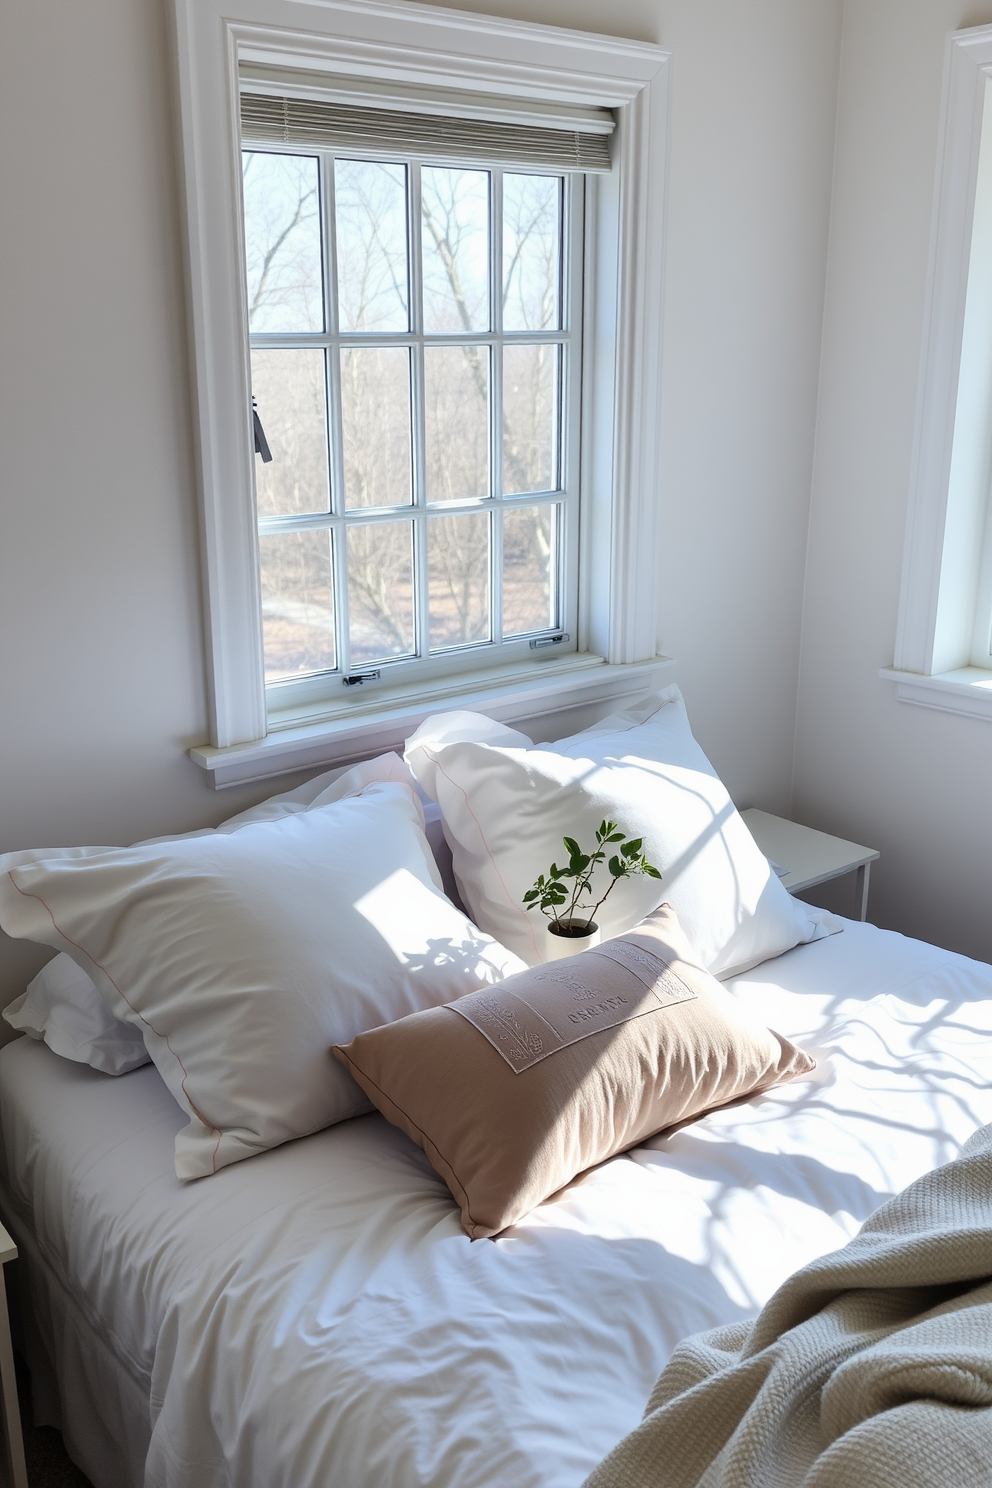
{"x":415,"y":334}
{"x":432,"y":446}
{"x":943,"y":654}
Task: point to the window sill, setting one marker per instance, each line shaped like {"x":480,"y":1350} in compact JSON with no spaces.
{"x":966,"y":691}
{"x":377,"y":724}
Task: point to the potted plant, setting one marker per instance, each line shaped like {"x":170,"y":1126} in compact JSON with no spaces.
{"x":558,"y":893}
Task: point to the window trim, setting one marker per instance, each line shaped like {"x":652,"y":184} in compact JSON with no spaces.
{"x":426,"y":46}
{"x":516,"y":695}
{"x":943,"y":596}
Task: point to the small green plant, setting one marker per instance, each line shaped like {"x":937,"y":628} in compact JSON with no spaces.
{"x":557,"y":893}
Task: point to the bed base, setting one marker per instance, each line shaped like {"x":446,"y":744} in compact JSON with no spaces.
{"x":78,"y":1384}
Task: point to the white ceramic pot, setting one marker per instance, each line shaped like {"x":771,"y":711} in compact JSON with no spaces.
{"x":557,"y":946}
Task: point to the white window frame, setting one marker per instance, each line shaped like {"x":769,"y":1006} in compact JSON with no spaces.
{"x":420,"y":46}
{"x":943,"y":650}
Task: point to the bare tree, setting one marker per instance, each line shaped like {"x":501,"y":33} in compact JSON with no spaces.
{"x":282,"y":240}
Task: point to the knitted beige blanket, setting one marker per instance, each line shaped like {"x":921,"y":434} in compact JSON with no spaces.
{"x":869,"y":1368}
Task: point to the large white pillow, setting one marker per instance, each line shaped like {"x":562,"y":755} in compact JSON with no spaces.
{"x":63,"y":1005}
{"x":243,"y":956}
{"x":506,"y":804}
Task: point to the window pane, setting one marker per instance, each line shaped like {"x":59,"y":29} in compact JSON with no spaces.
{"x":530,"y":418}
{"x":297,"y":603}
{"x":455,"y":213}
{"x":529,"y":569}
{"x":458,"y":562}
{"x":289,"y":389}
{"x":370,"y":215}
{"x":375,"y":413}
{"x":282,"y":242}
{"x":456,"y":415}
{"x":531,"y":253}
{"x":380,"y":591}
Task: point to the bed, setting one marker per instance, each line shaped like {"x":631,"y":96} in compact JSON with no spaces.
{"x":317,"y":1315}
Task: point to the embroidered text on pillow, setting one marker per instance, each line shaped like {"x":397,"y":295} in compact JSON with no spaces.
{"x":571,"y":1005}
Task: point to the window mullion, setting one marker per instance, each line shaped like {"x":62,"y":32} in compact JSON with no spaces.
{"x":421,"y":569}
{"x":278,"y":340}
{"x":371,"y":515}
{"x":338,"y":535}
{"x":570,"y":401}
{"x":496,"y":407}
{"x":304,"y":522}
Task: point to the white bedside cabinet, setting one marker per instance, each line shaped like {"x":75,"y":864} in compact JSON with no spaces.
{"x":811,"y":857}
{"x":15,"y":1473}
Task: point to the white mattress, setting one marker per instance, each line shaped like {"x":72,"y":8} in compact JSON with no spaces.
{"x":316,"y":1316}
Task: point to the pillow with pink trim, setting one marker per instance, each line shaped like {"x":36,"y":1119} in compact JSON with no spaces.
{"x":63,"y":1005}
{"x":244,"y":955}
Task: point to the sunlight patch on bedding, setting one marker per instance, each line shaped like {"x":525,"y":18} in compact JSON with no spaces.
{"x":400,"y":906}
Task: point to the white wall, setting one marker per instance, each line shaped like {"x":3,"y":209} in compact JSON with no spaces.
{"x":911,"y":781}
{"x":101,"y":671}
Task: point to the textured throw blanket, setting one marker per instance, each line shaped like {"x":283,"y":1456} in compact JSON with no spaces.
{"x":869,"y":1368}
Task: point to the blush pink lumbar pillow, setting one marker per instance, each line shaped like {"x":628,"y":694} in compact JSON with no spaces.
{"x":514,"y":1090}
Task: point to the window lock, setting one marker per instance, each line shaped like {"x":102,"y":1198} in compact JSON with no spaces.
{"x":540,"y":642}
{"x":355,"y":679}
{"x":261,"y":443}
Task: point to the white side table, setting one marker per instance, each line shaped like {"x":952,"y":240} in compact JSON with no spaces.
{"x":16,"y":1473}
{"x":811,"y":857}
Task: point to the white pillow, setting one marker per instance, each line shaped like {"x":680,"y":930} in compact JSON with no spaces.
{"x":64,"y":1006}
{"x":245,"y":955}
{"x":506,"y":805}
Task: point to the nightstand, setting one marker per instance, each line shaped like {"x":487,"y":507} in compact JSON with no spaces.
{"x":811,"y":857}
{"x":15,"y":1472}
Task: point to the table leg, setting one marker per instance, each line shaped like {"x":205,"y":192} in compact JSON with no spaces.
{"x":861,"y":891}
{"x":8,"y":1385}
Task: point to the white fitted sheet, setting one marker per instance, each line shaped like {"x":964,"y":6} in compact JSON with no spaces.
{"x":316,"y":1316}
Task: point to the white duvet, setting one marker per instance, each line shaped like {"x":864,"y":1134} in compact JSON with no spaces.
{"x":316,"y":1318}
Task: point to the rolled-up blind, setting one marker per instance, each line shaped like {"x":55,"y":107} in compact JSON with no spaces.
{"x":328,"y":124}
